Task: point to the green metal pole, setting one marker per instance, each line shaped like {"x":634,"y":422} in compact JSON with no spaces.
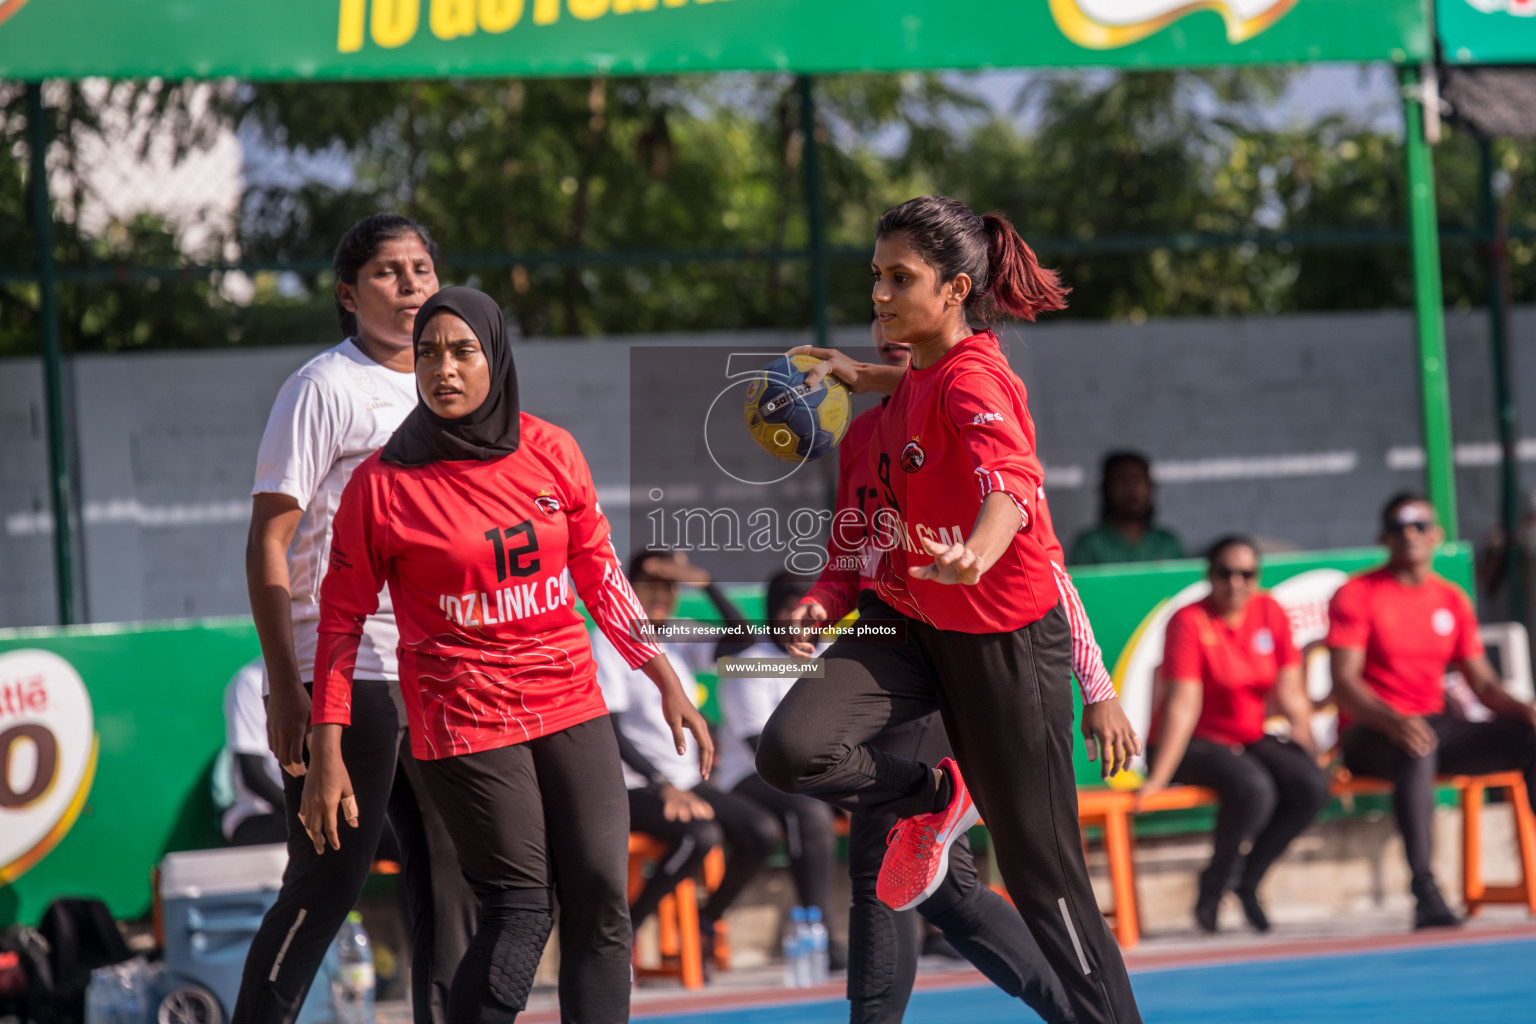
{"x":1505,"y":414}
{"x":1440,"y":470}
{"x":53,"y":370}
{"x":815,"y":207}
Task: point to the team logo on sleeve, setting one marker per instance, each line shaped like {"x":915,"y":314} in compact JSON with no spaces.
{"x":913,"y":456}
{"x":1443,"y":622}
{"x":547,"y":503}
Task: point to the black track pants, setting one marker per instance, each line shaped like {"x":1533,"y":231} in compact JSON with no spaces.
{"x":1006,"y":701}
{"x":1472,"y":748}
{"x":979,"y":924}
{"x":1270,"y":791}
{"x":546,"y":814}
{"x":749,"y":829}
{"x":807,"y":825}
{"x":320,"y":889}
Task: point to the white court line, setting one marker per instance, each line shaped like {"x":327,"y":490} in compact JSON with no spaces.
{"x":1059,"y":478}
{"x":1254,"y":467}
{"x":1475,"y":454}
{"x":130,"y":510}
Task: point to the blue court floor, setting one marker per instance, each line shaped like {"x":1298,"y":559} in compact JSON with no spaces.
{"x":1467,"y":982}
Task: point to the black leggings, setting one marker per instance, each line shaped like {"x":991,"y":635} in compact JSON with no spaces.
{"x":528,"y":818}
{"x":750,"y":829}
{"x":979,"y":924}
{"x":1006,"y":700}
{"x":807,"y":825}
{"x":319,"y":890}
{"x":1270,"y":791}
{"x":1472,"y":748}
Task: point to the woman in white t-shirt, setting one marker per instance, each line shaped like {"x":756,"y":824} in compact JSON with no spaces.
{"x":330,"y":415}
{"x":668,"y":799}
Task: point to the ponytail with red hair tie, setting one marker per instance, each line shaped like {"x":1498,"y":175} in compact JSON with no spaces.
{"x":1016,"y":282}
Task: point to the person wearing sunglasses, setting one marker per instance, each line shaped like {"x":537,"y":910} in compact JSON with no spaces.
{"x":1225,"y":658}
{"x":1393,"y":634}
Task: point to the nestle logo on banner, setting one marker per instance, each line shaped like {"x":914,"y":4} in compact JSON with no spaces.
{"x":23,"y":696}
{"x":47,"y":755}
{"x":1109,"y":24}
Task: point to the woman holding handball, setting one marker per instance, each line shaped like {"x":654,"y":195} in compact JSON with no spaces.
{"x":480,"y":518}
{"x":968,"y":582}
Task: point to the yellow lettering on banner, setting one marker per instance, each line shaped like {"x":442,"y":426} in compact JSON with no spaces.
{"x":586,"y":10}
{"x":395,"y":21}
{"x":500,"y":15}
{"x":349,"y":29}
{"x":546,"y":12}
{"x":453,"y":18}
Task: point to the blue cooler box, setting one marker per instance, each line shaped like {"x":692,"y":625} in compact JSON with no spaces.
{"x":212,"y":902}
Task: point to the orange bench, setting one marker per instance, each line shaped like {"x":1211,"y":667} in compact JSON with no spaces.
{"x":677,"y":916}
{"x":1111,"y":810}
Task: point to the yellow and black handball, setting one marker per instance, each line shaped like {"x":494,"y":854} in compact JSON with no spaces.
{"x":791,"y":420}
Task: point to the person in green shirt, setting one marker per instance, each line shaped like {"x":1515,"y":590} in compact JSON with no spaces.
{"x":1125,"y":532}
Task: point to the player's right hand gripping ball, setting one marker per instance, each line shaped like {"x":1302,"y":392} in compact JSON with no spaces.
{"x":790,"y":420}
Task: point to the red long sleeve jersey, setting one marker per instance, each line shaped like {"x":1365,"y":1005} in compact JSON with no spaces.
{"x":853,"y":554}
{"x":480,"y":558}
{"x":951,"y":434}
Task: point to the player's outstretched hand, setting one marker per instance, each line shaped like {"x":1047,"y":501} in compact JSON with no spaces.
{"x":288,"y":707}
{"x":952,"y":563}
{"x":833,"y":362}
{"x":861,"y":378}
{"x":809,"y":617}
{"x":1113,"y":741}
{"x":680,"y":714}
{"x":327,"y":792}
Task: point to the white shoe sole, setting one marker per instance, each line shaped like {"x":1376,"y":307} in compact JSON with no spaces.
{"x":961,"y":827}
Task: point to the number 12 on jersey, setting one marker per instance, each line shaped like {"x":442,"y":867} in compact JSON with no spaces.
{"x":509,"y":559}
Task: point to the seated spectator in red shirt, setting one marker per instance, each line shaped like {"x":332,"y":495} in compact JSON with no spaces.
{"x":1394,"y":632}
{"x":1223,"y":658}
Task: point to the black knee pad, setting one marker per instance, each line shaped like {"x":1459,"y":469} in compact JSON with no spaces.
{"x":872,"y":950}
{"x":519,"y":945}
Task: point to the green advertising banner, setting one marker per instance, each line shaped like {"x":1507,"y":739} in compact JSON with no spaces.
{"x":109,"y":735}
{"x":1487,"y":31}
{"x":107,"y":756}
{"x":282,"y":39}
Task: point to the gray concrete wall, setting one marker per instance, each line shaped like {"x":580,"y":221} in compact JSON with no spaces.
{"x":1292,"y":427}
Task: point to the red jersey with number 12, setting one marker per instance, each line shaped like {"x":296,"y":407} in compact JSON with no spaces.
{"x":480,"y":558}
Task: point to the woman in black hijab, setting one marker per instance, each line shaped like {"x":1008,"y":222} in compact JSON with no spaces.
{"x":480,"y":518}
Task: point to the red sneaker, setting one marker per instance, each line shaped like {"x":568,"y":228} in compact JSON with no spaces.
{"x":917,"y":849}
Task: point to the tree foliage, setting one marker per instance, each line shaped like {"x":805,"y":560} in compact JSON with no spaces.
{"x":636,"y":205}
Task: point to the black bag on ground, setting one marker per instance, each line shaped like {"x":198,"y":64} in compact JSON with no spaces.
{"x":26,"y":974}
{"x":82,"y":936}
